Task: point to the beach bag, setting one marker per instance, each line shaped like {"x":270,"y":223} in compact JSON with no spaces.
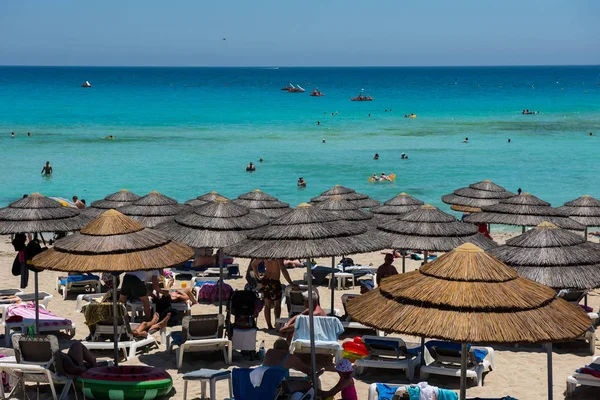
{"x":33,"y":249}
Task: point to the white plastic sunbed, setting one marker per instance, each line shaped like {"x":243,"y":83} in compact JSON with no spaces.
{"x":450,"y":365}
{"x":327,"y":330}
{"x":388,"y":353}
{"x":65,"y":284}
{"x":582,"y":379}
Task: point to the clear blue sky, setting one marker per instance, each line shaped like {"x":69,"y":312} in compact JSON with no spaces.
{"x":299,"y":32}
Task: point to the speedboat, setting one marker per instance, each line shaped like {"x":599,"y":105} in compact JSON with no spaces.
{"x":86,"y":84}
{"x":361,"y":97}
{"x":316,"y":93}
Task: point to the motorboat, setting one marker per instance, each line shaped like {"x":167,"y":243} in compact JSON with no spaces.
{"x":293,"y":89}
{"x":361,"y":97}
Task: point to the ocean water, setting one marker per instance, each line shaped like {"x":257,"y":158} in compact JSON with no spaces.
{"x":186,"y":131}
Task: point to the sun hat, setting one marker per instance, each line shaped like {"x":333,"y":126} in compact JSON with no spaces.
{"x":344,"y":366}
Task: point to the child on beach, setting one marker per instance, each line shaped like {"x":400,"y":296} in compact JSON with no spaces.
{"x":345,"y":385}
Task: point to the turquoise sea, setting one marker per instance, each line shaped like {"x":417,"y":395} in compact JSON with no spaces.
{"x":186,"y":131}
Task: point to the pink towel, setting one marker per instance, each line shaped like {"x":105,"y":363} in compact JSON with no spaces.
{"x":210,"y":292}
{"x":27,"y":312}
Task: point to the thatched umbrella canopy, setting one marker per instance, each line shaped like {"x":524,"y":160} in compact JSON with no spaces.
{"x":553,"y":257}
{"x":308,"y":232}
{"x":361,"y":200}
{"x":113,"y":243}
{"x":38,"y":213}
{"x":112,"y":201}
{"x":153,"y":209}
{"x":263,"y":203}
{"x":205,"y":198}
{"x":584,"y":209}
{"x":398,"y":205}
{"x":523,"y":210}
{"x":471,"y":199}
{"x":344,"y":209}
{"x":217,"y":224}
{"x":429,"y":228}
{"x":469,"y":296}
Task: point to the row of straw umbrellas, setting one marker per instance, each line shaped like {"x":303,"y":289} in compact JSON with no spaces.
{"x":335,"y":225}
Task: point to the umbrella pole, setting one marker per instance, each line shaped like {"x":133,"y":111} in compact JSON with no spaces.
{"x":522,"y":229}
{"x":37,"y":303}
{"x":426,"y":256}
{"x":403,"y":260}
{"x":332,"y":283}
{"x":549,"y":350}
{"x":463,"y":371}
{"x":585,"y":233}
{"x":311,"y":322}
{"x":423,"y":350}
{"x":115,"y":317}
{"x":220,"y":281}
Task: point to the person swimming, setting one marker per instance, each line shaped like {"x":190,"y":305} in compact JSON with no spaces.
{"x":375,"y":178}
{"x":323,"y":140}
{"x":519,"y":191}
{"x":301,"y":182}
{"x":384,"y":177}
{"x":250,"y":167}
{"x":403,"y":156}
{"x":466,"y":140}
{"x":260,"y":160}
{"x":376,"y":156}
{"x":47,"y":169}
{"x":12,"y":135}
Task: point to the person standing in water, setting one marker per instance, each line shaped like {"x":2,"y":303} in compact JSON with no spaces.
{"x":12,"y":135}
{"x":47,"y":169}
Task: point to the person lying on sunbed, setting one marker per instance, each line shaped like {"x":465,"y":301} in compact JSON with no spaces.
{"x":154,"y":324}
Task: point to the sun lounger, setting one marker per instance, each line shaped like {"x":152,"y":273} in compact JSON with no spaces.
{"x":389,"y":353}
{"x":269,"y":389}
{"x":88,"y":298}
{"x":78,"y":282}
{"x":327,"y":330}
{"x":443,"y":358}
{"x":294,"y":301}
{"x":582,"y":379}
{"x":99,"y":318}
{"x":200,"y":333}
{"x":20,"y":317}
{"x":37,"y":360}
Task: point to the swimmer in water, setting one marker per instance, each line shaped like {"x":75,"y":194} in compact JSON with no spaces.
{"x":466,"y":140}
{"x":375,"y":178}
{"x":323,"y":140}
{"x":250,"y":168}
{"x":47,"y":169}
{"x":591,"y":134}
{"x":301,"y":182}
{"x":29,"y":134}
{"x":403,"y":156}
{"x":508,"y":140}
{"x":318,"y":122}
{"x":376,"y":156}
{"x":12,"y":135}
{"x":519,"y":191}
{"x":384,"y":177}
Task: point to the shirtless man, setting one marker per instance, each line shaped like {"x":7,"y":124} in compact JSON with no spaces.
{"x":386,"y":269}
{"x":272,"y":285}
{"x":47,"y":169}
{"x":78,"y":202}
{"x":287,"y":330}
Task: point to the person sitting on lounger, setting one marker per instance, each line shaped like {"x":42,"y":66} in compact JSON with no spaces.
{"x":287,"y":330}
{"x":77,"y":360}
{"x":279,"y":357}
{"x":386,"y":269}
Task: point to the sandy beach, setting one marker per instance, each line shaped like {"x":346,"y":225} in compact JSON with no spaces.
{"x":520,"y":371}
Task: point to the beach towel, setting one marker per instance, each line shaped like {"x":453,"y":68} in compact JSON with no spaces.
{"x":327,"y":330}
{"x":427,"y":392}
{"x":210,"y":292}
{"x":27,"y":312}
{"x":385,"y":392}
{"x":480,"y":354}
{"x":256,"y":376}
{"x":445,"y":394}
{"x":413,"y":392}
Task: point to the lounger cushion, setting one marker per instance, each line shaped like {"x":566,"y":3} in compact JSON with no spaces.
{"x":78,"y":278}
{"x":480,"y":354}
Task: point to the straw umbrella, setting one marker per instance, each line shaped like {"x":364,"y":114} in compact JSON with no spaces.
{"x":217,"y":224}
{"x":37,"y":214}
{"x":470,"y":199}
{"x":469,"y":296}
{"x":585,"y":210}
{"x":523,"y":210}
{"x":113,"y":243}
{"x":346,"y":211}
{"x":153,"y":209}
{"x":203,"y":199}
{"x":362,"y":200}
{"x":263,"y":203}
{"x":430,"y":229}
{"x":396,"y":206}
{"x":308,"y":232}
{"x":554,"y":257}
{"x":118,"y":199}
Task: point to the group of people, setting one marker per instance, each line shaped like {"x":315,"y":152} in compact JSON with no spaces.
{"x":383,"y":177}
{"x":12,"y":134}
{"x":403,"y":156}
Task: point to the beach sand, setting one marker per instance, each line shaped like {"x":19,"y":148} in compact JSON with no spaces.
{"x":520,"y":371}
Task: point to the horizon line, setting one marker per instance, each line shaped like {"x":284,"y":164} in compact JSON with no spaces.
{"x":299,"y":66}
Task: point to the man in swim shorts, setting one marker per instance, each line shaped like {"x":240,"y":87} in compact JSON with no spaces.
{"x":271,"y":285}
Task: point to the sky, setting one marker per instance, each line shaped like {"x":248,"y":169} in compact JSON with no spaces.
{"x":299,"y":32}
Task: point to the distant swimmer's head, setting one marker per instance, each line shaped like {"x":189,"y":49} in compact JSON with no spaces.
{"x":591,"y":134}
{"x":260,"y":160}
{"x":47,"y":162}
{"x":323,"y":140}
